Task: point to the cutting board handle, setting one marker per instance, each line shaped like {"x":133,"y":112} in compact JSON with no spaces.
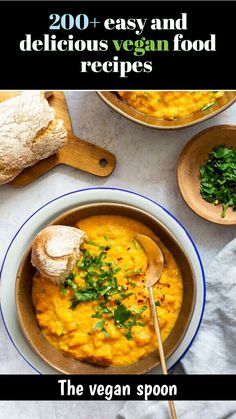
{"x":79,"y":154}
{"x":88,"y":157}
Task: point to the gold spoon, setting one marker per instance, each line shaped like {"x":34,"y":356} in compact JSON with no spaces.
{"x":154,"y":272}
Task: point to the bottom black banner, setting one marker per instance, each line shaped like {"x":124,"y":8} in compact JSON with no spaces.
{"x":117,"y":387}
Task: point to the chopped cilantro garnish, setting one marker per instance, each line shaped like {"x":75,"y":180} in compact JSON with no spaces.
{"x":103,"y":248}
{"x":141,"y":310}
{"x":134,"y":272}
{"x":97,"y":315}
{"x":135,"y":244}
{"x":121,"y":314}
{"x":99,"y":278}
{"x":218,"y":178}
{"x":207,"y":106}
{"x":131,"y":283}
{"x":63,"y":290}
{"x":105,"y":332}
{"x":124,"y":296}
{"x":99,"y":325}
{"x":141,"y":324}
{"x":91,"y":243}
{"x":83,"y":295}
{"x":70,"y":277}
{"x":129,"y":335}
{"x":105,"y":309}
{"x":101,"y":285}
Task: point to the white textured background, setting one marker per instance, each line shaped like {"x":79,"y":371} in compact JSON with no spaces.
{"x":146,"y":163}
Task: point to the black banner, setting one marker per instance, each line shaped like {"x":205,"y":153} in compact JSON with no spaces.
{"x":117,"y":45}
{"x":119,"y":387}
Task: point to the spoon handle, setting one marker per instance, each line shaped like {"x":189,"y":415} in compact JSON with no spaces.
{"x":172,"y":409}
{"x":160,"y":346}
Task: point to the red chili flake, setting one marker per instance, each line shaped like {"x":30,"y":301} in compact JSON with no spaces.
{"x":129,"y":248}
{"x":140,"y":301}
{"x":168,"y":285}
{"x":108,"y":248}
{"x":162,"y":298}
{"x":119,"y":258}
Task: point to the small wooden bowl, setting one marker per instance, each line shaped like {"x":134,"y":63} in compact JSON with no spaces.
{"x":68,"y":365}
{"x":193,"y":155}
{"x":119,"y":105}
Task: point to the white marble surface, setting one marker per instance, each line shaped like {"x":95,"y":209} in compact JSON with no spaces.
{"x":146,"y":163}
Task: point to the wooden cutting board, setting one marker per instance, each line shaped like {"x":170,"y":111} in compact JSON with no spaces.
{"x":77,"y":153}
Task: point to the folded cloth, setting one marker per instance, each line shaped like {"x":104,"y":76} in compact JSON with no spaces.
{"x":213,"y":351}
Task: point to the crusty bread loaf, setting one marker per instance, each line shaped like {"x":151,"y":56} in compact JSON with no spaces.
{"x":29,"y":132}
{"x":55,"y":251}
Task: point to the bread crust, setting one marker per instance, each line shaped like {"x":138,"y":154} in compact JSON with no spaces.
{"x":55,"y":251}
{"x":29,"y":132}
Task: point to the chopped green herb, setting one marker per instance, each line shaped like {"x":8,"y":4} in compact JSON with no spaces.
{"x":74,"y":303}
{"x":106,"y":290}
{"x":141,"y":324}
{"x":105,"y":332}
{"x":124,"y":296}
{"x":121,"y":314}
{"x":103,"y":247}
{"x":142,"y":309}
{"x":105,"y":309}
{"x":218,"y":178}
{"x":207,"y":106}
{"x":99,"y":325}
{"x":70,"y":277}
{"x":139,"y":313}
{"x":130,"y":323}
{"x":100,"y":310}
{"x":157,"y":303}
{"x":86,"y":295}
{"x":83,"y":295}
{"x":135,"y":244}
{"x":73,"y":285}
{"x":101,"y":284}
{"x":63,"y":290}
{"x":92,"y":243}
{"x":131,"y":283}
{"x":99,"y":258}
{"x":97,"y":316}
{"x":129,"y":335}
{"x":134,"y":272}
{"x":99,"y":277}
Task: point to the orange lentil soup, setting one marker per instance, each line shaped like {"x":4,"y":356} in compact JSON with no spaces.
{"x":171,"y":105}
{"x":101,"y":314}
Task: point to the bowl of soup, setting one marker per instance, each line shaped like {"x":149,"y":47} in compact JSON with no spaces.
{"x":99,"y":320}
{"x":168,"y":109}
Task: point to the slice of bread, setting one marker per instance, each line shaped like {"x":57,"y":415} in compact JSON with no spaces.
{"x":55,"y":251}
{"x":29,"y":132}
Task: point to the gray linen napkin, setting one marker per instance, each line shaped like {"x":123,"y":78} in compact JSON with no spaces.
{"x":213,"y":351}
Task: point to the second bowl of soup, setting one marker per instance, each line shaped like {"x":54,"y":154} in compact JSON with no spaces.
{"x":168,"y":109}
